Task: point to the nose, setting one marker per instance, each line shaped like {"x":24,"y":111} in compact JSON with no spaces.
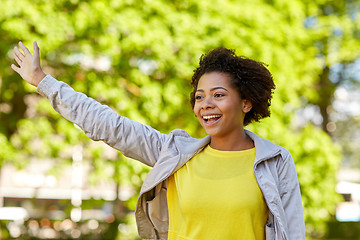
{"x":207,"y":103}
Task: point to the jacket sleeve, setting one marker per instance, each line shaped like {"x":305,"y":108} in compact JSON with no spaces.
{"x":100,"y":122}
{"x":291,"y":198}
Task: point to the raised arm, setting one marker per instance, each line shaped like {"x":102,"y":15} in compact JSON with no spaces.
{"x":98,"y":121}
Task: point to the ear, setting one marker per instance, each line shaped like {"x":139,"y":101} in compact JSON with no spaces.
{"x":246,"y":105}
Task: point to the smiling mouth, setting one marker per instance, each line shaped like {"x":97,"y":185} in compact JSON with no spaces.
{"x":211,"y":118}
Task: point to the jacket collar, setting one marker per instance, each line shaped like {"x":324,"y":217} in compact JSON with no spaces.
{"x":264,"y":148}
{"x":191,"y":146}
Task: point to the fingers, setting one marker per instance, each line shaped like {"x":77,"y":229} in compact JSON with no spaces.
{"x":18,"y":55}
{"x":17,"y":59}
{"x":15,"y":68}
{"x":22,"y":46}
{"x":36,"y":50}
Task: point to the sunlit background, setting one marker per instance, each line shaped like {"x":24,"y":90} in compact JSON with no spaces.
{"x":137,"y":56}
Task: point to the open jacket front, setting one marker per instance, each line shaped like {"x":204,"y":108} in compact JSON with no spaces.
{"x":274,"y":167}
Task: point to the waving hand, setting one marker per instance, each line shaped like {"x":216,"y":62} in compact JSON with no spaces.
{"x":29,"y":65}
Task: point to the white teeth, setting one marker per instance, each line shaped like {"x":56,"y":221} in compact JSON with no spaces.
{"x":211,"y":116}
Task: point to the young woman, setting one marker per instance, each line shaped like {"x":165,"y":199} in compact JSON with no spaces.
{"x":231,"y":184}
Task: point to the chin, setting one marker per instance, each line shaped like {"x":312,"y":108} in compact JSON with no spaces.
{"x":212,"y":133}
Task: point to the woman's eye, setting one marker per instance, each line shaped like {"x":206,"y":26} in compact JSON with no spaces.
{"x":198,"y":97}
{"x":219,"y":95}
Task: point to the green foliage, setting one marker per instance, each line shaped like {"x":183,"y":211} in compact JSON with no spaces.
{"x":137,"y":56}
{"x":7,"y":151}
{"x":334,"y":29}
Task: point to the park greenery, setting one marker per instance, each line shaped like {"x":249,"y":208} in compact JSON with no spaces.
{"x":138,"y":56}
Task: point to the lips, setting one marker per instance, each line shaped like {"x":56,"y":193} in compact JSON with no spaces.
{"x":211,"y":118}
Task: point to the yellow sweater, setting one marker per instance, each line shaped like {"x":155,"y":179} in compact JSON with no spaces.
{"x":215,"y":196}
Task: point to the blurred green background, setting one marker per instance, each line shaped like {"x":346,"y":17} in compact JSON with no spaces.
{"x":138,"y":56}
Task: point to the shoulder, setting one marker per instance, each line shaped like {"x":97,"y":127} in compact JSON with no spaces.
{"x":180,"y":133}
{"x":266,"y":149}
{"x":186,"y":144}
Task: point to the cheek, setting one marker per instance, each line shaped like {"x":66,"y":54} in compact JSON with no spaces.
{"x":196,"y":110}
{"x":196,"y":113}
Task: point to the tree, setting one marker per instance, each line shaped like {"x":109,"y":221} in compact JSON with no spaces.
{"x":335,"y":31}
{"x":137,"y":57}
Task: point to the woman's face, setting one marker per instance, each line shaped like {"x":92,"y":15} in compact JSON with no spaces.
{"x":218,"y":106}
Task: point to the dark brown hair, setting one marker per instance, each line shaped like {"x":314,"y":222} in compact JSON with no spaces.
{"x":250,"y":78}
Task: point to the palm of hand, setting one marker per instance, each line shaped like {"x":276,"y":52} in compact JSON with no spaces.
{"x":29,"y":65}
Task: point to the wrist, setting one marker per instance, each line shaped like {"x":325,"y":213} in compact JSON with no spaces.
{"x":39,"y":76}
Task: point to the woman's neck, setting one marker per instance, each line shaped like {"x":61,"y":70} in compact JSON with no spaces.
{"x":236,"y":142}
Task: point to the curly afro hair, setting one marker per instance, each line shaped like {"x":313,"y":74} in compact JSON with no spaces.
{"x":250,"y":78}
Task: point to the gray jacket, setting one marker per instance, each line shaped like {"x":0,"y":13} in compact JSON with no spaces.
{"x":274,"y":167}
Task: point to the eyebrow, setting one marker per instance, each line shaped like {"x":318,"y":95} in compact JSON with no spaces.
{"x":212,"y":89}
